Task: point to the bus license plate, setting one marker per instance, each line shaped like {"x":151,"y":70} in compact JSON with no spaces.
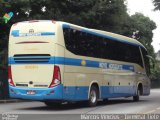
{"x":31,"y":92}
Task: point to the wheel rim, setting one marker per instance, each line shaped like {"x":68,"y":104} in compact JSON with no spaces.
{"x":93,"y":96}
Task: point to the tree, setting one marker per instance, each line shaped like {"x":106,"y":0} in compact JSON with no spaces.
{"x":145,"y":26}
{"x":155,"y":76}
{"x":156,"y":3}
{"x":4,"y":28}
{"x":109,"y":15}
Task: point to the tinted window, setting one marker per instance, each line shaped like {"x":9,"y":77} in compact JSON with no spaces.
{"x":86,"y":44}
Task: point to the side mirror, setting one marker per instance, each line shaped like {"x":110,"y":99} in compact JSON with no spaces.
{"x":151,"y":61}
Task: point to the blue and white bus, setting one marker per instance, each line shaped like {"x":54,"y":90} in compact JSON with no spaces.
{"x":54,"y":61}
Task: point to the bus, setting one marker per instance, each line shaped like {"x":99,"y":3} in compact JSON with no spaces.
{"x":55,"y":62}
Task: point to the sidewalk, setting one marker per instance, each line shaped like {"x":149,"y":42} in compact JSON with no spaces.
{"x":12,"y":101}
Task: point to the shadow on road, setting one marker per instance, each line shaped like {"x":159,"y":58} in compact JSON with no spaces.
{"x":79,"y":105}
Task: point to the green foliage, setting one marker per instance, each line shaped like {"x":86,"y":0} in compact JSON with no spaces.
{"x":156,"y":72}
{"x":155,"y":75}
{"x":107,"y":15}
{"x":145,"y":26}
{"x":156,"y":4}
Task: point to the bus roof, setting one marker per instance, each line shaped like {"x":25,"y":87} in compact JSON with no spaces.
{"x":102,"y":33}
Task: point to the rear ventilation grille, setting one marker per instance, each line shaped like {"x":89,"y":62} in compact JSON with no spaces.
{"x":32,"y":58}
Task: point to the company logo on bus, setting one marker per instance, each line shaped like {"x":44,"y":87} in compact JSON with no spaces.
{"x":116,"y":66}
{"x":83,"y":62}
{"x":31,"y":31}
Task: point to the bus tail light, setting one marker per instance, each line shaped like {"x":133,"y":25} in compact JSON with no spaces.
{"x":10,"y":80}
{"x":56,"y":77}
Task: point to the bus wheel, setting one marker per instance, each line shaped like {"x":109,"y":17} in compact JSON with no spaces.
{"x":136,"y":98}
{"x":52,"y":104}
{"x":93,"y":96}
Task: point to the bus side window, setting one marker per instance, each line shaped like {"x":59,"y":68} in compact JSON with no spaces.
{"x":103,"y":48}
{"x":134,"y":55}
{"x":97,"y":46}
{"x":67,"y":39}
{"x":74,"y":40}
{"x":70,"y":37}
{"x":91,"y":47}
{"x":82,"y":43}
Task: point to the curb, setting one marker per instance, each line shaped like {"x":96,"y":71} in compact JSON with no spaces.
{"x":12,"y":101}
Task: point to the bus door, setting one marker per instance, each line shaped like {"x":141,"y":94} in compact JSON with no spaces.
{"x":109,"y":85}
{"x":69,"y":85}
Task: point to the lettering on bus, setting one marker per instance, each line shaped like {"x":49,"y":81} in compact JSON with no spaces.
{"x":16,"y":33}
{"x":111,"y":66}
{"x":31,"y":67}
{"x":29,"y":34}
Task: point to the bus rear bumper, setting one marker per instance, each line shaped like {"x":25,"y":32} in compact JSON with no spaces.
{"x":40,"y":94}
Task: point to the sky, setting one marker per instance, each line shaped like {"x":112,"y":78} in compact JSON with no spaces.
{"x":146,"y":7}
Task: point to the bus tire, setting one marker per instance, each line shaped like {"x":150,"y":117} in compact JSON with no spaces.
{"x":51,"y":104}
{"x":93,"y":96}
{"x":136,"y":98}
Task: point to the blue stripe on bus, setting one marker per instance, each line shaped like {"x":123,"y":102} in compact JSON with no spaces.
{"x":71,"y":61}
{"x":81,"y":92}
{"x":54,"y":93}
{"x":72,"y":93}
{"x":101,"y":35}
{"x":47,"y":33}
{"x":75,"y":62}
{"x":16,"y":33}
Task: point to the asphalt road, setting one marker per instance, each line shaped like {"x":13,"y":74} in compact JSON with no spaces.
{"x":38,"y":110}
